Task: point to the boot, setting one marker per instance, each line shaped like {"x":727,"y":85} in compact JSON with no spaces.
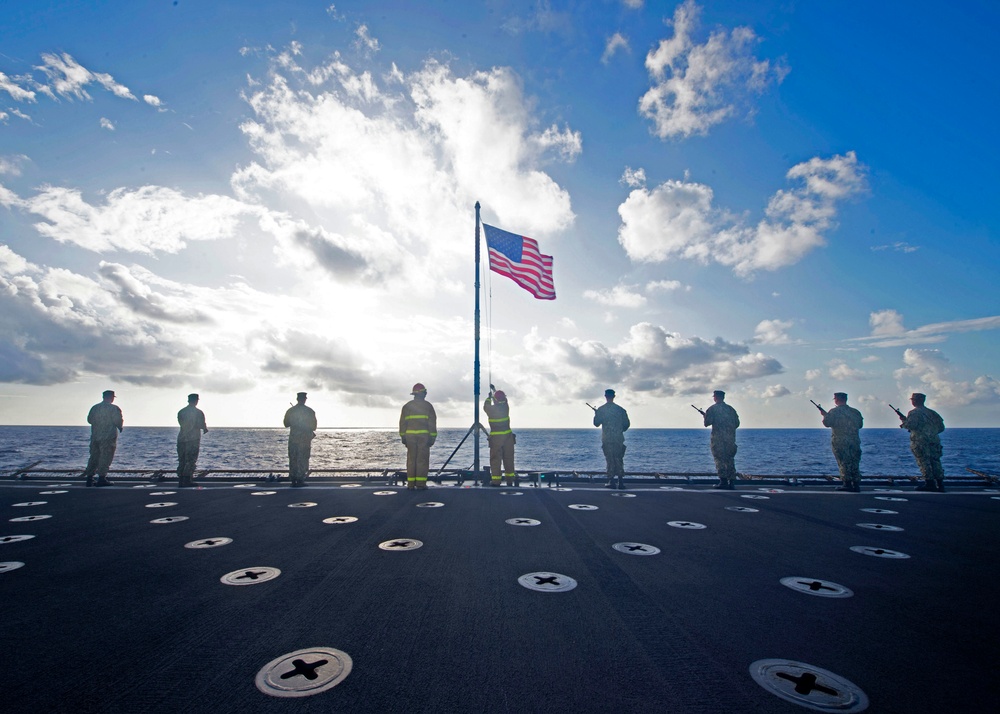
{"x":939,"y":485}
{"x":721,"y":484}
{"x":90,"y":480}
{"x":510,"y":482}
{"x":621,"y":483}
{"x":927,"y":485}
{"x":609,"y":484}
{"x":103,"y":481}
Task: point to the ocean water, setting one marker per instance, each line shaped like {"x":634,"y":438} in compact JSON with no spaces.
{"x":771,"y":452}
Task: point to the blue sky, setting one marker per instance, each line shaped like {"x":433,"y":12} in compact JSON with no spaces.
{"x":248,"y":199}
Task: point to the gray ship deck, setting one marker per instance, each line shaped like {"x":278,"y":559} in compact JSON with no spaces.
{"x":110,"y":612}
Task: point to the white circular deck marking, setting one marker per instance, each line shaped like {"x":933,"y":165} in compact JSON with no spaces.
{"x":430,"y":504}
{"x":163,"y":504}
{"x":304,"y":504}
{"x":350,"y":485}
{"x":623,"y":495}
{"x":686,"y":524}
{"x":162,"y":493}
{"x":245,"y":485}
{"x":169,"y":519}
{"x":562,"y":489}
{"x":636,"y":548}
{"x":523,"y":522}
{"x":878,"y":527}
{"x":742,"y":509}
{"x":547,"y":582}
{"x":303,"y":673}
{"x":10,"y":565}
{"x":400,"y":544}
{"x":208,"y":543}
{"x":582,"y":507}
{"x":812,"y":586}
{"x":29,"y":503}
{"x":879,"y":510}
{"x":15,"y":538}
{"x":754,"y":496}
{"x":889,"y":490}
{"x":27,"y":519}
{"x":49,"y":493}
{"x":340,"y":519}
{"x":671,"y":488}
{"x":250,"y":576}
{"x":771,"y":490}
{"x":808,"y":686}
{"x":385,"y":493}
{"x":878,"y":552}
{"x":263,"y":493}
{"x":146,"y":485}
{"x":511,"y":493}
{"x":60,"y":485}
{"x":889,"y":498}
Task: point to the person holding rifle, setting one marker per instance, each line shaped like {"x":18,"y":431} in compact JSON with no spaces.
{"x":724,"y":422}
{"x":614,"y":422}
{"x":924,"y":426}
{"x":845,"y":423}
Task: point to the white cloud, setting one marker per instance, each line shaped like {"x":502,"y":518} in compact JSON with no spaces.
{"x":618,"y":296}
{"x":15,"y":90}
{"x":773,"y":332}
{"x":616,"y":42}
{"x":152,"y":100}
{"x":813,"y":374}
{"x":634,"y":4}
{"x":677,"y":219}
{"x":666,"y":286}
{"x":888,"y":329}
{"x":886,"y":322}
{"x":696,"y":86}
{"x":840,"y":370}
{"x":929,"y":372}
{"x":365,"y":41}
{"x":107,"y":124}
{"x":332,"y":12}
{"x":633,"y":178}
{"x":69,"y":78}
{"x":11,"y":165}
{"x":774,"y":391}
{"x":898,"y":246}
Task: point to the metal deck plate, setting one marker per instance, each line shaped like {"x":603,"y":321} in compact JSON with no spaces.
{"x":742,"y":509}
{"x":169,"y":519}
{"x":250,"y":576}
{"x":385,"y":493}
{"x":164,"y":504}
{"x":49,"y":493}
{"x":582,"y":507}
{"x":340,"y":519}
{"x":512,"y":493}
{"x":10,"y":565}
{"x":686,"y":524}
{"x":878,"y":552}
{"x":26,"y":519}
{"x":263,"y":493}
{"x":879,"y":510}
{"x":400,"y":544}
{"x":29,"y":503}
{"x":889,"y":498}
{"x":208,"y":543}
{"x":430,"y":504}
{"x":754,"y":496}
{"x":546,"y":582}
{"x":878,"y":527}
{"x":15,"y":538}
{"x":304,"y":504}
{"x":162,"y":493}
{"x":303,"y":673}
{"x":523,"y":522}
{"x":812,"y":586}
{"x":808,"y":686}
{"x":636,"y":548}
{"x":623,"y":495}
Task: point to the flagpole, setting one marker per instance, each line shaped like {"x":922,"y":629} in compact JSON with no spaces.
{"x":475,"y":404}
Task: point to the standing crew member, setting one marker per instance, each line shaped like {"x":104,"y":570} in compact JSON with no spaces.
{"x":106,"y":423}
{"x":501,"y":438}
{"x":845,"y":423}
{"x":614,"y":422}
{"x":724,"y":422}
{"x":301,"y":421}
{"x":418,"y":430}
{"x":924,"y":426}
{"x":192,"y":421}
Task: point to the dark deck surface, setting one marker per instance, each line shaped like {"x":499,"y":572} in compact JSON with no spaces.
{"x":111,"y":613}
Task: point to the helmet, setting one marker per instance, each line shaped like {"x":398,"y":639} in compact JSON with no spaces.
{"x":499,"y":396}
{"x":417,"y":388}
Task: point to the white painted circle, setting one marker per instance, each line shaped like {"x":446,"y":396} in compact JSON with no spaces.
{"x":430,"y":504}
{"x":825,"y":691}
{"x":771,"y":490}
{"x":263,"y":493}
{"x":250,"y":576}
{"x":400,"y":544}
{"x":686,"y":524}
{"x":304,"y":504}
{"x":350,"y":485}
{"x":889,"y":490}
{"x":878,"y":552}
{"x":29,"y":503}
{"x":384,"y":493}
{"x":636,"y":548}
{"x":49,"y":493}
{"x":146,"y":485}
{"x":879,"y":510}
{"x":878,"y":527}
{"x":890,"y":498}
{"x":208,"y":543}
{"x":340,"y":519}
{"x":623,"y":495}
{"x":162,"y":493}
{"x":10,"y":565}
{"x":562,"y":488}
{"x":60,"y":485}
{"x":814,"y":586}
{"x":754,"y":496}
{"x":26,"y":519}
{"x":511,"y":493}
{"x":304,"y":672}
{"x":582,"y":507}
{"x":245,"y":485}
{"x":169,"y":519}
{"x":547,"y":582}
{"x":523,"y":522}
{"x":742,"y":509}
{"x":164,"y":504}
{"x":15,"y":538}
{"x":671,"y":488}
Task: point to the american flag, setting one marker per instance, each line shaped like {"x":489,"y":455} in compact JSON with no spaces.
{"x":518,"y":258}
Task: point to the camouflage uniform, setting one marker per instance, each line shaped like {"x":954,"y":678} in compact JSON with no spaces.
{"x":614,"y":422}
{"x":301,"y":421}
{"x":501,"y":441}
{"x":724,"y":422}
{"x":192,"y":422}
{"x":845,"y":422}
{"x":924,"y":426}
{"x":106,"y":422}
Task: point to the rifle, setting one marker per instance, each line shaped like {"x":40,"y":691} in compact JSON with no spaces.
{"x":591,"y":406}
{"x":821,"y":409}
{"x":902,"y":417}
{"x":698,"y":410}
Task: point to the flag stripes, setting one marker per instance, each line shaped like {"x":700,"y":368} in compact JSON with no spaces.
{"x":518,"y":258}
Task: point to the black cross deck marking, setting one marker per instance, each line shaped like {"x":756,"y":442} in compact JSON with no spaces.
{"x":252,"y":575}
{"x":551,"y":580}
{"x":815,"y":585}
{"x":304,"y":669}
{"x":806,"y":684}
